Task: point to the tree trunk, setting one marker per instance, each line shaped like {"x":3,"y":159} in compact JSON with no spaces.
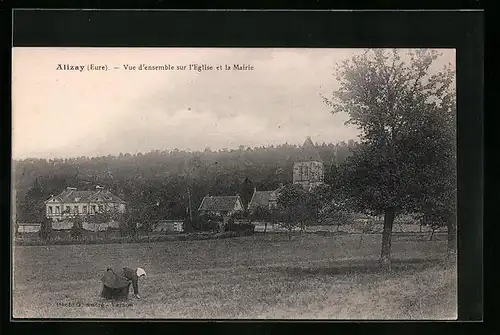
{"x":452,"y":237}
{"x":432,"y":232}
{"x":265,"y":227}
{"x":386,"y":237}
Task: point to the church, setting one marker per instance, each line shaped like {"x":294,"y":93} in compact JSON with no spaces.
{"x":308,"y":172}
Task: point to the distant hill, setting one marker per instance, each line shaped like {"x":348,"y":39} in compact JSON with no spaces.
{"x":163,"y":176}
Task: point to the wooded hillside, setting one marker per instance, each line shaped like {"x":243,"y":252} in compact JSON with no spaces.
{"x":163,"y":177}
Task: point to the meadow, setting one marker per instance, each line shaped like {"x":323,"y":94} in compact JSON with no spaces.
{"x":312,"y":276}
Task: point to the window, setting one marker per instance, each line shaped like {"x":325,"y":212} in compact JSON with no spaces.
{"x":68,"y":209}
{"x":50,"y":210}
{"x":58,"y":210}
{"x":93,"y":209}
{"x":84,"y":209}
{"x":75,"y":209}
{"x":100,"y":208}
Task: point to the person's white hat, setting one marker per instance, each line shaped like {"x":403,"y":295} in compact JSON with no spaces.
{"x":140,"y":272}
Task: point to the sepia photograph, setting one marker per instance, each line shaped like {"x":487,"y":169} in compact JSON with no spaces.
{"x":234,"y":183}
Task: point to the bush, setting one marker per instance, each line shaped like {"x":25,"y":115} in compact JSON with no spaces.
{"x":338,"y":218}
{"x":45,"y":232}
{"x":242,"y":227}
{"x":90,"y":238}
{"x":188,"y":226}
{"x":209,"y":225}
{"x":76,"y":230}
{"x":128,"y":228}
{"x":240,"y":215}
{"x":227,"y":234}
{"x":206,"y":222}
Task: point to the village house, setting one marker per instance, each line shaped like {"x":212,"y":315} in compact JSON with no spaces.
{"x":221,"y":205}
{"x":266,"y":199}
{"x":71,"y":203}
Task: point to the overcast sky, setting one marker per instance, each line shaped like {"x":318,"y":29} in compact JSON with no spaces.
{"x":68,"y":113}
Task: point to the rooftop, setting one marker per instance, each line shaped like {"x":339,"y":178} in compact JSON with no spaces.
{"x":219,"y":203}
{"x":261,"y":198}
{"x":72,"y":195}
{"x":308,"y":152}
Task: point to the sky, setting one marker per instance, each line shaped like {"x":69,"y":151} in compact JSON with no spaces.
{"x":91,"y":113}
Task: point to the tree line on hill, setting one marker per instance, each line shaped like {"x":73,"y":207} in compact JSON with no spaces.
{"x":157,"y":183}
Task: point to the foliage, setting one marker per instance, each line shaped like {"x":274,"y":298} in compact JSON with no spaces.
{"x":405,"y":117}
{"x":262,"y":213}
{"x":331,"y":209}
{"x":265,"y":214}
{"x":208,"y":222}
{"x":145,"y":178}
{"x":77,"y":230}
{"x":32,"y":209}
{"x":246,"y":193}
{"x":98,"y":218}
{"x":188,"y":226}
{"x":336,"y":217}
{"x":240,"y":215}
{"x":296,"y":207}
{"x":241,"y":227}
{"x":128,"y":225}
{"x":298,"y":204}
{"x":45,"y":232}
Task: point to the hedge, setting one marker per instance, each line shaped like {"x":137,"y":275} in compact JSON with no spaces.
{"x":242,"y":227}
{"x":131,"y":239}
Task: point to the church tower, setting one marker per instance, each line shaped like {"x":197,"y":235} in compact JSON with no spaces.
{"x":308,"y":168}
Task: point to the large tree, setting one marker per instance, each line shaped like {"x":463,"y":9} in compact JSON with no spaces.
{"x":246,"y":192}
{"x":397,"y":104}
{"x":296,"y":207}
{"x":434,"y":169}
{"x":265,"y":214}
{"x":33,"y":206}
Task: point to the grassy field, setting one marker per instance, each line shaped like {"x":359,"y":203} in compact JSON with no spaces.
{"x":310,"y":277}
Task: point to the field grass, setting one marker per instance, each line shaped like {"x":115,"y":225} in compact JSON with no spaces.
{"x":309,"y":277}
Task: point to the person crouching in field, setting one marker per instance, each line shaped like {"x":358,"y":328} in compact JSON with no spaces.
{"x":116,"y":284}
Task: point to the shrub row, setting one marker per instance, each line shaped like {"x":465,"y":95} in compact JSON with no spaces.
{"x":131,"y":239}
{"x":240,"y":227}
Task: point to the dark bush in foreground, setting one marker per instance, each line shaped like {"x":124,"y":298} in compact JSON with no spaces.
{"x":226,"y":234}
{"x":241,"y":227}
